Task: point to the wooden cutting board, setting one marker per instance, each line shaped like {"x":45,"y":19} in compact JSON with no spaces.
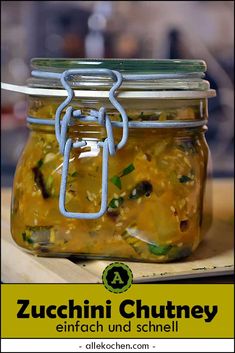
{"x":214,"y":257}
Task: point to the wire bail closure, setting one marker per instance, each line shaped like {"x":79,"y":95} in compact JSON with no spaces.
{"x":62,"y":122}
{"x":66,"y":144}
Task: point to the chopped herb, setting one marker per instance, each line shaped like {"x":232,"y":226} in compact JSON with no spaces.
{"x":187,"y":146}
{"x":116,"y":202}
{"x":72,"y":177}
{"x":120,"y":117}
{"x":93,"y":233}
{"x":184,"y":179}
{"x":39,"y":180}
{"x":27,"y":238}
{"x":184,"y":225}
{"x":128,"y":170}
{"x":144,"y":188}
{"x":74,"y":174}
{"x":40,"y":163}
{"x":116,"y":180}
{"x":159,"y":249}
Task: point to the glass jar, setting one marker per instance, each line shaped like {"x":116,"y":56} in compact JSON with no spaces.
{"x":90,"y":183}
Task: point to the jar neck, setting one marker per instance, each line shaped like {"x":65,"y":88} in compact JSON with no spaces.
{"x":137,"y":110}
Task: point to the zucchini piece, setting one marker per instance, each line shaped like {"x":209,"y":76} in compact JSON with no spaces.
{"x":116,"y":202}
{"x":38,"y":234}
{"x":26,"y":237}
{"x":184,"y":179}
{"x":40,"y":163}
{"x":39,"y":180}
{"x":113,"y":214}
{"x":134,"y":242}
{"x":184,"y":225}
{"x":177,"y":253}
{"x":144,"y":188}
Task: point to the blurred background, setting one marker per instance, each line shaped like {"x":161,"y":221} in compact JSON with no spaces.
{"x":119,"y":29}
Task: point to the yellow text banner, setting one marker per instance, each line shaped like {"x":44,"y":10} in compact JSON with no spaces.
{"x":143,"y":311}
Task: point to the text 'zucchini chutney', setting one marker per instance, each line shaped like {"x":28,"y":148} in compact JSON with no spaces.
{"x":115,"y":166}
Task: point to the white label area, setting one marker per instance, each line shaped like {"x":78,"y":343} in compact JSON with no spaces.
{"x":117,"y":345}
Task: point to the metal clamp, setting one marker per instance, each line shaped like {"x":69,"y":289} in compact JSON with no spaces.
{"x":104,"y":197}
{"x":108,"y":145}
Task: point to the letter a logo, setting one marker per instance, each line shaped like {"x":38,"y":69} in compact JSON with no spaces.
{"x":117,"y":277}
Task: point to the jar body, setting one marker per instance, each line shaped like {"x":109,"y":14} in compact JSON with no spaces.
{"x":156,"y":190}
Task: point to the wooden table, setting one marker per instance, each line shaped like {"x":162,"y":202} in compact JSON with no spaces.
{"x":214,"y":257}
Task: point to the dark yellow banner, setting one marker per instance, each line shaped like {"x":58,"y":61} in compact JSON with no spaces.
{"x":91,"y":311}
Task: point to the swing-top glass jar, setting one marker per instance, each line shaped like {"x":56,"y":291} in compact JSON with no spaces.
{"x":116,"y":162}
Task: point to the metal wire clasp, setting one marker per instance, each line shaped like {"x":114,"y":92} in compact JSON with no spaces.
{"x":108,"y":145}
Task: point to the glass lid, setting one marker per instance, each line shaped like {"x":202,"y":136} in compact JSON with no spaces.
{"x":138,"y":74}
{"x":127,"y":66}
